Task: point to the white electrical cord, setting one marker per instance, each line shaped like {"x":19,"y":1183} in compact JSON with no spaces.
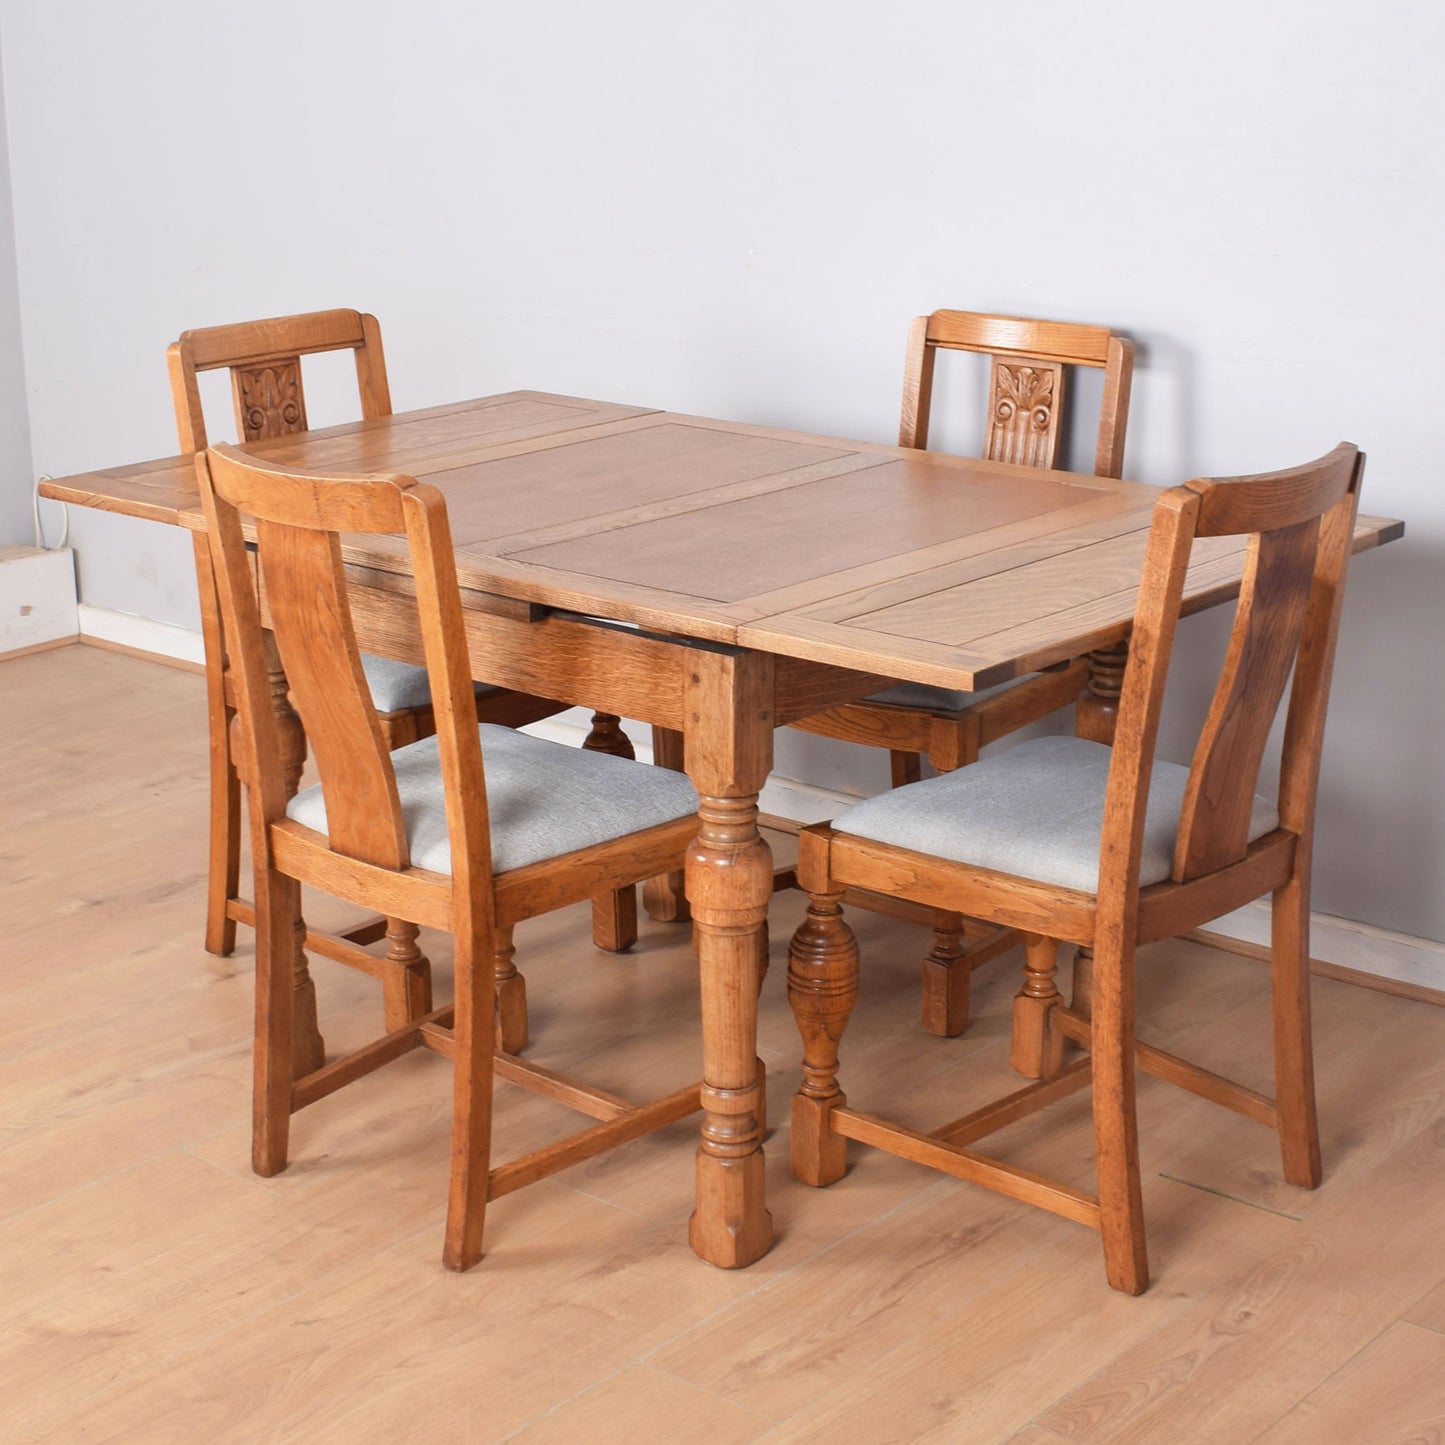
{"x":39,"y":528}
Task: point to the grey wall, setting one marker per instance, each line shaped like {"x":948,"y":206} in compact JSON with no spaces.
{"x":735,"y":209}
{"x":16,"y":520}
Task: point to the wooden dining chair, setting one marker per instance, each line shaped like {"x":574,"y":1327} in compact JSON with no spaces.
{"x":1068,"y":841}
{"x":429,"y":832}
{"x":264,"y":360}
{"x":1029,"y":372}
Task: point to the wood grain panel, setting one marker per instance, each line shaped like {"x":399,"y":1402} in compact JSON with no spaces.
{"x":933,"y":569}
{"x":760,"y":544}
{"x":578,"y":483}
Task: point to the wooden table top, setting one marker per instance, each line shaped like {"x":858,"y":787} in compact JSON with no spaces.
{"x":927,"y":567}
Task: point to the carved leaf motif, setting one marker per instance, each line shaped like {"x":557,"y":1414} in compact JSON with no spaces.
{"x":1027,"y":391}
{"x":271,"y":400}
{"x":1025,"y":413}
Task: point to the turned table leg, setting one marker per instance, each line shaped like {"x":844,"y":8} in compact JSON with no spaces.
{"x":729,"y":885}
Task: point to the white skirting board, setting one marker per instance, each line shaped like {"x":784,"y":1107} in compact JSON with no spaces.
{"x":162,"y":638}
{"x":1339,"y":941}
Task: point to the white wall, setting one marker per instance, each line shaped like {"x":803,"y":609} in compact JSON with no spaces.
{"x":734,"y":209}
{"x":16,"y":522}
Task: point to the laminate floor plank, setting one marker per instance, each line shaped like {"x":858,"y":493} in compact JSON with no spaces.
{"x":153,"y":1289}
{"x":1391,"y":1393}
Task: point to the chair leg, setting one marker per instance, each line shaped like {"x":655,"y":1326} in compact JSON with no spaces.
{"x":614,"y":915}
{"x":278,"y":915}
{"x":472,"y":1032}
{"x":905,"y":768}
{"x":945,"y":978}
{"x":822,"y":988}
{"x":664,"y":897}
{"x":1081,"y":1000}
{"x":511,"y":991}
{"x":406,"y":983}
{"x":1294,"y":1074}
{"x":1116,"y":1127}
{"x":614,"y":919}
{"x":223,"y":871}
{"x":1037,"y":1050}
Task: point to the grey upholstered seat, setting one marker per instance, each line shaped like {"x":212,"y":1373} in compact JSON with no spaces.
{"x":1036,"y":812}
{"x":543,"y":799}
{"x":396,"y":686}
{"x":925,"y":698}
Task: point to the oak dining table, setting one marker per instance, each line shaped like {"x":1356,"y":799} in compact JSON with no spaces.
{"x":719,"y":580}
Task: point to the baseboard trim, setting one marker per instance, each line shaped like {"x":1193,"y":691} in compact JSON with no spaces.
{"x":161,"y":641}
{"x":1355,"y":952}
{"x":178,"y":664}
{"x":35,"y":647}
{"x":1420,"y":993}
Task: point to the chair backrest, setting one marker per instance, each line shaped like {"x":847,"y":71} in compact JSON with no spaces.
{"x":1300,"y":527}
{"x":264,"y":359}
{"x":298,"y":520}
{"x":1026,"y":384}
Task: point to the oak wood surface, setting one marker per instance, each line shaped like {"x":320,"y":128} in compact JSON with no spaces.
{"x":894,"y":602}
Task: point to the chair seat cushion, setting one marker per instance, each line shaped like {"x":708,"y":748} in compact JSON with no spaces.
{"x":398,"y":686}
{"x":924,"y":698}
{"x":543,"y":799}
{"x":1037,"y":812}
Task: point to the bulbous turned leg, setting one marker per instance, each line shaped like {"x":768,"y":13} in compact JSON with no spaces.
{"x":511,"y":990}
{"x":1037,"y":1049}
{"x":822,"y":989}
{"x":945,"y":978}
{"x":614,"y":915}
{"x":406,"y":984}
{"x":730,"y":881}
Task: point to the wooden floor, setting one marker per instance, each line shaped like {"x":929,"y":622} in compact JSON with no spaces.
{"x":153,"y":1289}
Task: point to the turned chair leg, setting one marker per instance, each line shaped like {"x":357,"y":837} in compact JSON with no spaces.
{"x":406,"y":980}
{"x":1294,"y":1074}
{"x":1037,"y":1050}
{"x":945,"y":978}
{"x":614,"y":915}
{"x":511,"y":995}
{"x":473,"y":1029}
{"x":822,"y":989}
